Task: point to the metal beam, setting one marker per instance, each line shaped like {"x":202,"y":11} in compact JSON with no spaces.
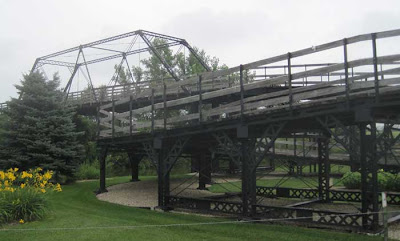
{"x":194,"y":53}
{"x":159,"y":56}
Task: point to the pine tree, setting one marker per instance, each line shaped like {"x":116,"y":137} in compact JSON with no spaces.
{"x":40,"y":131}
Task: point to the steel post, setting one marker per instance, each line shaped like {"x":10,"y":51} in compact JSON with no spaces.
{"x":323,"y":168}
{"x":102,"y":159}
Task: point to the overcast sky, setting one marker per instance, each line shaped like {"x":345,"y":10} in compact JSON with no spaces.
{"x":234,"y":31}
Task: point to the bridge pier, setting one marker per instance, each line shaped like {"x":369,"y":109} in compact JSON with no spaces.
{"x":204,"y":168}
{"x":160,"y":152}
{"x":166,"y":152}
{"x":323,"y":168}
{"x":362,"y":149}
{"x":248,"y":162}
{"x":102,"y":159}
{"x":369,"y":176}
{"x":134,"y":161}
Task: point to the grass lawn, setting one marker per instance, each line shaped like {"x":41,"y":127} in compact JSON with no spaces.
{"x":77,"y":207}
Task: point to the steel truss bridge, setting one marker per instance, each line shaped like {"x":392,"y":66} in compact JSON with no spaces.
{"x":249,"y":113}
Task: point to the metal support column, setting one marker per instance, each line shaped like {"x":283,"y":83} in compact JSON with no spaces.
{"x":160,"y":151}
{"x":323,"y":168}
{"x":248,"y":160}
{"x":134,"y":160}
{"x":167,"y":156}
{"x":369,"y":180}
{"x":245,"y":176}
{"x":204,"y":170}
{"x":102,"y":159}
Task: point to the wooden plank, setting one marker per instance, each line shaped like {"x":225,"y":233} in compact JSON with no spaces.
{"x":196,"y":115}
{"x":306,"y":95}
{"x":280,"y":79}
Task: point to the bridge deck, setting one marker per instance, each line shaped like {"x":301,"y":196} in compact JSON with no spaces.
{"x":239,"y":93}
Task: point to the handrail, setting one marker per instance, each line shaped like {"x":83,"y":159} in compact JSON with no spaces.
{"x":347,"y":87}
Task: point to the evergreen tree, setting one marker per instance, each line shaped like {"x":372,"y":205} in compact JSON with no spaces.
{"x":40,"y":131}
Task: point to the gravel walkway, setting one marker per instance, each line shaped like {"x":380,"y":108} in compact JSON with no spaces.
{"x":144,"y":193}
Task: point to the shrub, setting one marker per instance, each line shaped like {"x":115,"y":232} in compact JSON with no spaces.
{"x":393,"y":182}
{"x":23,"y":204}
{"x":22,"y":194}
{"x":352,"y":180}
{"x":386,"y":181}
{"x":117,"y":165}
{"x":88,"y":171}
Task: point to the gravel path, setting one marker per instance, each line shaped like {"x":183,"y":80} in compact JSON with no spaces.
{"x":144,"y":193}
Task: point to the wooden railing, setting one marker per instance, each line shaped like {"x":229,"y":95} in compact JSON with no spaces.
{"x":338,"y":82}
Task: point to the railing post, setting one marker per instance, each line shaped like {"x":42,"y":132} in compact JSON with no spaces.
{"x":113,"y":118}
{"x":152,"y":110}
{"x":200,"y":100}
{"x":98,"y":119}
{"x":130,"y":115}
{"x":241,"y":94}
{"x":375,"y":62}
{"x":346,"y":73}
{"x":165,"y":104}
{"x":289,"y":63}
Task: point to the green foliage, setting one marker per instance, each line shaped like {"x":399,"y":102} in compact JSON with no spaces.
{"x":352,"y":180}
{"x":4,"y":215}
{"x":122,"y":76}
{"x":386,"y":181}
{"x":147,"y":168}
{"x":102,"y":93}
{"x":88,"y":127}
{"x":190,"y":65}
{"x":117,"y":164}
{"x":182,"y":65}
{"x":137,"y":73}
{"x":154,"y":69}
{"x":393,"y":182}
{"x":3,"y":127}
{"x":40,"y":129}
{"x":88,"y":171}
{"x":26,"y":204}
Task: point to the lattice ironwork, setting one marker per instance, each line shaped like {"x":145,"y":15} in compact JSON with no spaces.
{"x":226,"y":207}
{"x":323,"y":168}
{"x":205,"y":205}
{"x":348,"y":196}
{"x":253,"y":153}
{"x":393,"y":198}
{"x":228,"y":147}
{"x":266,"y":142}
{"x":151,"y":153}
{"x":344,"y":135}
{"x":334,"y":195}
{"x":180,"y":202}
{"x":337,"y":219}
{"x":174,"y":153}
{"x":369,"y":178}
{"x":309,"y":215}
{"x":387,"y":146}
{"x":275,"y":212}
{"x":304,"y":193}
{"x":266,"y":191}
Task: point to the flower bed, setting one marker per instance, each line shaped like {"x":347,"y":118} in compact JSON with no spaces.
{"x":23,"y":194}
